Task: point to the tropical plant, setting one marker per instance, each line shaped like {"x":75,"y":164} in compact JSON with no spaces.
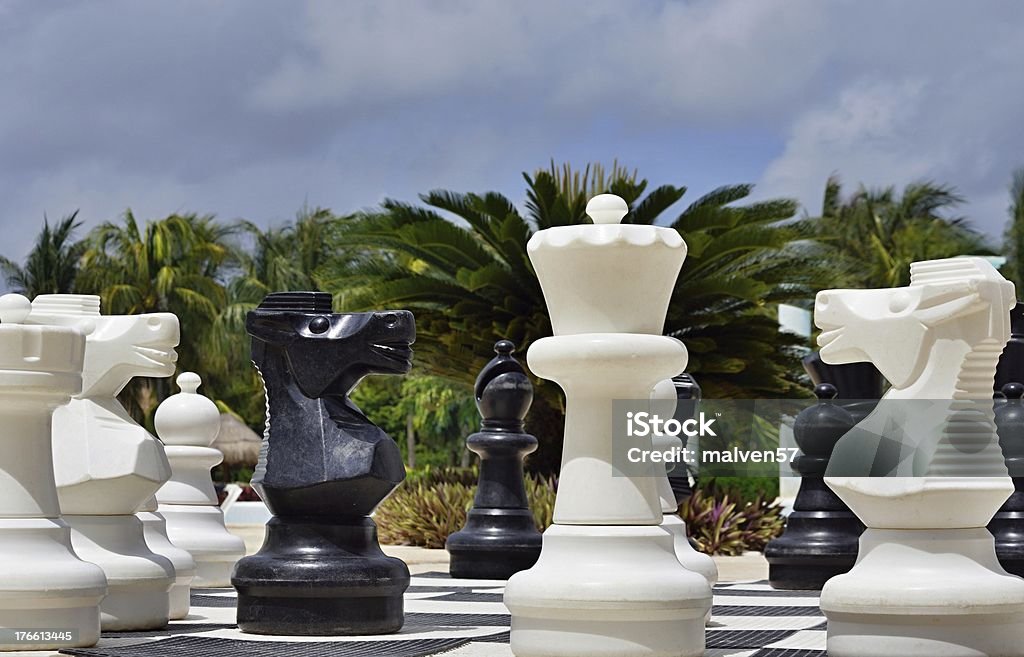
{"x":52,"y":265}
{"x":722,"y":525}
{"x":1013,"y":237}
{"x":874,"y":234}
{"x":461,"y":265}
{"x":175,"y":265}
{"x":434,"y":503}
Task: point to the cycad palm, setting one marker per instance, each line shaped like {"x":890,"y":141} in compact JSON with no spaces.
{"x":52,"y":265}
{"x":471,"y":282}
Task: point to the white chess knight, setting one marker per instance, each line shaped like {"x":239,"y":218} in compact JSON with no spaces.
{"x":106,"y":466}
{"x":154,"y":528}
{"x":926,"y":582}
{"x":608,"y":581}
{"x":43,"y":584}
{"x":188,"y":423}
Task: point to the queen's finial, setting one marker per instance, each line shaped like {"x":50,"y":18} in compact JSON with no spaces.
{"x":607,"y":209}
{"x":14,"y":309}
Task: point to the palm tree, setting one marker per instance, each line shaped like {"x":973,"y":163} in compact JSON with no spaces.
{"x":470,"y":281}
{"x":172,"y":265}
{"x":52,"y":264}
{"x":875,"y":234}
{"x":1013,"y":237}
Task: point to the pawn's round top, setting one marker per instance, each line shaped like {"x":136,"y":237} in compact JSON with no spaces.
{"x":825,"y":391}
{"x":188,"y":382}
{"x":819,"y":427}
{"x":187,"y":418}
{"x":607,"y":209}
{"x":14,"y":308}
{"x":1013,"y":390}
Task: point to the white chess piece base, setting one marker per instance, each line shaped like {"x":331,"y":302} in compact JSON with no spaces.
{"x":45,"y":585}
{"x":155,"y":529}
{"x":200,"y":530}
{"x":925,"y":593}
{"x":691,"y":559}
{"x":613,"y":591}
{"x":138,"y":579}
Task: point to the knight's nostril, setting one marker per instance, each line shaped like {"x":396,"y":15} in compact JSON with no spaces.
{"x":154,"y":323}
{"x":390,"y":319}
{"x":821,"y":303}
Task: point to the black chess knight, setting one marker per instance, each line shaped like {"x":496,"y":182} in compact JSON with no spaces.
{"x":500,"y":537}
{"x":323,"y":468}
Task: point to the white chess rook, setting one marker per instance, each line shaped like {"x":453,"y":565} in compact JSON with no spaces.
{"x":188,"y":423}
{"x":106,"y":466}
{"x":608,"y":582}
{"x":926,"y":582}
{"x":43,"y":584}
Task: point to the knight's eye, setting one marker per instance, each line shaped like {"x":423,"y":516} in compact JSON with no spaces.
{"x":319,"y":325}
{"x":390,"y":319}
{"x":899,"y":302}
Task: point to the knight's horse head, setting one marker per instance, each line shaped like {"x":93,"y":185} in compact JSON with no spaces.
{"x":327,"y":353}
{"x":956,"y":298}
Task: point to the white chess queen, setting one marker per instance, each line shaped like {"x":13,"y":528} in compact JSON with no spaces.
{"x":926,"y":582}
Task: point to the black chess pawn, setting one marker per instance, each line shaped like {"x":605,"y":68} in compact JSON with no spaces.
{"x":1007,"y":525}
{"x":822,"y":535}
{"x":1011,"y":362}
{"x":688,"y":394}
{"x":323,"y":468}
{"x":500,"y":537}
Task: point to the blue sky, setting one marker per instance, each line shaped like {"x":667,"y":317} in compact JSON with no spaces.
{"x":252,"y":108}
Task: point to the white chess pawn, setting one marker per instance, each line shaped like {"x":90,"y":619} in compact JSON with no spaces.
{"x":927,"y":582}
{"x":43,"y":584}
{"x":106,"y":466}
{"x":663,"y":404}
{"x":155,"y":530}
{"x":188,"y":423}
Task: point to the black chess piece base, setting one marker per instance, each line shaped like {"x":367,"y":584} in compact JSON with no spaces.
{"x":821,"y":540}
{"x":1007,"y":526}
{"x":319,"y":577}
{"x":494,"y":544}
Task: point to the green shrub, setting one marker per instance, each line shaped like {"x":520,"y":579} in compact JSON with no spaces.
{"x":726,"y":526}
{"x":434,"y":502}
{"x":741,"y":489}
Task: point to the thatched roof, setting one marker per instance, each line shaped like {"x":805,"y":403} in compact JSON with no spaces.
{"x":239,"y":443}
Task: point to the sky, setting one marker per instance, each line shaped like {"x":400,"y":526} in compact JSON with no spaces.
{"x":255,"y":108}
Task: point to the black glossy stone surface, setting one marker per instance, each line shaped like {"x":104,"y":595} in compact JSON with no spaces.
{"x":822,"y":535}
{"x":1007,"y":525}
{"x":688,"y":395}
{"x":500,"y":537}
{"x":323,"y":468}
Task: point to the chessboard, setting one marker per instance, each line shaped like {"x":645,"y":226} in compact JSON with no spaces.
{"x":466,"y":618}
